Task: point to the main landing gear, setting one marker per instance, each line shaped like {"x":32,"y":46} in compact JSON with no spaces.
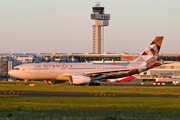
{"x":94,"y":84}
{"x":26,"y":82}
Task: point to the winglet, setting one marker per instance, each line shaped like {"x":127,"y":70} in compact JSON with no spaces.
{"x":150,"y":54}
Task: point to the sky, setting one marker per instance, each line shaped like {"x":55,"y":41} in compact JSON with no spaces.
{"x":65,"y":26}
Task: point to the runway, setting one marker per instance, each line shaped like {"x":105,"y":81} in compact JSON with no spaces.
{"x":115,"y":84}
{"x":60,"y":94}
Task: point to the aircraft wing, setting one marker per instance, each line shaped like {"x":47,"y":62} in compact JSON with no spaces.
{"x":111,"y":71}
{"x":114,"y":73}
{"x":98,"y":72}
{"x":85,"y":77}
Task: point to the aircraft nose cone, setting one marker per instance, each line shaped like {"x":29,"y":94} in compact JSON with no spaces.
{"x":10,"y":72}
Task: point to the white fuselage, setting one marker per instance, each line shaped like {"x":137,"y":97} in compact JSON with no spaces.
{"x":54,"y":71}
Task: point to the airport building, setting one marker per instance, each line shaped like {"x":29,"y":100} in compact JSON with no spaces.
{"x":172,"y":70}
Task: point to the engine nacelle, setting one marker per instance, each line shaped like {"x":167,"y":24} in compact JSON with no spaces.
{"x":79,"y":79}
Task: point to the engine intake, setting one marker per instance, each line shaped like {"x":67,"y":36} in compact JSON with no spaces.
{"x":79,"y":79}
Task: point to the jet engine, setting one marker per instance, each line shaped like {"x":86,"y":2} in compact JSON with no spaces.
{"x":79,"y":80}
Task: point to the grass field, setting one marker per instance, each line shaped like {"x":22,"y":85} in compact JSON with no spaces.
{"x":89,"y":108}
{"x":41,"y":86}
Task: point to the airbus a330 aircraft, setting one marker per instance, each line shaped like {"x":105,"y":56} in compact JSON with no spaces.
{"x":88,"y":73}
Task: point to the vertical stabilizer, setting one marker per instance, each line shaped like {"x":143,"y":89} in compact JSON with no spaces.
{"x":150,"y":54}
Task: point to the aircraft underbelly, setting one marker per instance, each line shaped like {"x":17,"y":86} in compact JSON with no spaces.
{"x":62,"y":78}
{"x":40,"y":75}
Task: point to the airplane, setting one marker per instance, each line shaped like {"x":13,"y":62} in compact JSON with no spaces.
{"x":88,"y":73}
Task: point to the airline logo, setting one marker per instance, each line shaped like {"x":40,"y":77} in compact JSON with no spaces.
{"x":151,"y":52}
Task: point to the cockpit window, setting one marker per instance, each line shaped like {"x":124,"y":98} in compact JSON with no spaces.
{"x":16,"y":69}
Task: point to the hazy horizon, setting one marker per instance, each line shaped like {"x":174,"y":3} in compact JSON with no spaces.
{"x":60,"y":26}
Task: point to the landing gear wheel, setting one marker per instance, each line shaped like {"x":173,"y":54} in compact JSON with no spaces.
{"x":94,"y":84}
{"x":27,"y":84}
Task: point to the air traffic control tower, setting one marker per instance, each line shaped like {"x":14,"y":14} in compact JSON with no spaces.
{"x":101,"y":20}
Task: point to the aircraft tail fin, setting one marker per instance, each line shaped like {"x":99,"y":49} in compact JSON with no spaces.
{"x":150,"y":54}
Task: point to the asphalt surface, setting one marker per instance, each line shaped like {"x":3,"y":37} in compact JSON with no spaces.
{"x":114,"y":84}
{"x":58,"y":94}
